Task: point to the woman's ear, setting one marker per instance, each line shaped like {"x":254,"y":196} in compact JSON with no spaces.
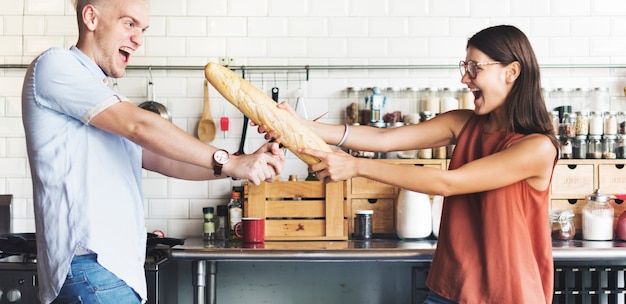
{"x":513,"y":71}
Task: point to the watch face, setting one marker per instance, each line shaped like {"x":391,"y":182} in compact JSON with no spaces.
{"x":221,"y":156}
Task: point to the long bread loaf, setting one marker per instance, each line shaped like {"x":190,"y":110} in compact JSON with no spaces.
{"x":261,"y":109}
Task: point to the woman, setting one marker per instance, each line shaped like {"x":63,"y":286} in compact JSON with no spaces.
{"x":494,"y":243}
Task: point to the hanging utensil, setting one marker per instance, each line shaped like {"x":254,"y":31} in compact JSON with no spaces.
{"x":206,"y":126}
{"x":275,"y":94}
{"x":224,"y":123}
{"x":153,"y":106}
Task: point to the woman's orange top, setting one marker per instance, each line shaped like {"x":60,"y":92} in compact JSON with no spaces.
{"x":494,"y":246}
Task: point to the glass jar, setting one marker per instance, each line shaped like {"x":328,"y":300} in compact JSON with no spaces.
{"x":354,"y":107}
{"x":208,"y":228}
{"x":466,"y":99}
{"x":581,"y":126}
{"x":594,"y":147}
{"x":363,"y":224}
{"x":568,"y":125}
{"x":600,"y":99}
{"x":562,"y":223}
{"x":596,"y":124}
{"x":413,"y":94}
{"x":566,"y":148}
{"x":621,"y":122}
{"x":620,"y":146}
{"x":448,"y":101}
{"x":610,"y":123}
{"x":430,"y":100}
{"x":556,"y":122}
{"x":597,"y":218}
{"x":579,"y":147}
{"x":608,"y":146}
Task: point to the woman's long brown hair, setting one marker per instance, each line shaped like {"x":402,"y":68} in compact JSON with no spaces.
{"x":525,"y":106}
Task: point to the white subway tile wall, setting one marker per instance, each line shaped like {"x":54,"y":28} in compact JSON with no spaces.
{"x":295,"y":33}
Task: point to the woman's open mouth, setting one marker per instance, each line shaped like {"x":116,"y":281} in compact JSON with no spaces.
{"x":477,"y":93}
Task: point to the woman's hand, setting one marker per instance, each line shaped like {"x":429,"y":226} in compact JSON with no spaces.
{"x":273,"y":135}
{"x":333,"y":166}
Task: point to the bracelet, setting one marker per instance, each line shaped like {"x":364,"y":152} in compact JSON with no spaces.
{"x":345,"y":136}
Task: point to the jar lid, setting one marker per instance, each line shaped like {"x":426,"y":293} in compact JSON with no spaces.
{"x":207,"y":210}
{"x":598,"y":196}
{"x":364,"y":212}
{"x":561,"y":215}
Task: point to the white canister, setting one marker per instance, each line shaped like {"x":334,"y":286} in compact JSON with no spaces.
{"x":436,"y":213}
{"x":413,"y":215}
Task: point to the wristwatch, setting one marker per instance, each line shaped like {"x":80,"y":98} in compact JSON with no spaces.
{"x":220,"y":158}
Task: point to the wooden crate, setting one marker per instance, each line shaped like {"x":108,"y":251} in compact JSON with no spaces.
{"x":299,"y":210}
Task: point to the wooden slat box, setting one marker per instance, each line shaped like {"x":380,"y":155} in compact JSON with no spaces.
{"x":299,"y":210}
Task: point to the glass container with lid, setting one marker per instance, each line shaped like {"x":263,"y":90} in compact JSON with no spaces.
{"x":597,"y":218}
{"x":620,"y":146}
{"x":562,"y":223}
{"x":610,"y":123}
{"x":354,"y":108}
{"x":568,"y":125}
{"x":581,"y":126}
{"x":594,"y":147}
{"x":566,"y":148}
{"x":596,"y":124}
{"x":556,"y":122}
{"x":608,"y":146}
{"x":579,"y":147}
{"x":621,"y":122}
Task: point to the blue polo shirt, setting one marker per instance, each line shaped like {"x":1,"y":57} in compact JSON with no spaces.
{"x":86,"y":182}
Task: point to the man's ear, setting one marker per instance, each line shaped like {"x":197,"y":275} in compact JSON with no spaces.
{"x":90,"y":17}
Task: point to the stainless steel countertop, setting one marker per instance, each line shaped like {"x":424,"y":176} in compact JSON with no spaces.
{"x":380,"y":250}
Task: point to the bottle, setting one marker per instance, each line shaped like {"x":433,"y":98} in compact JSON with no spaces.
{"x":413,"y":215}
{"x":598,"y":218}
{"x":208,"y":231}
{"x":235,"y":213}
{"x":311,"y":176}
{"x":221,"y":223}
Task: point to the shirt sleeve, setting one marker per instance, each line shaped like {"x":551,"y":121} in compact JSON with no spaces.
{"x":65,"y":85}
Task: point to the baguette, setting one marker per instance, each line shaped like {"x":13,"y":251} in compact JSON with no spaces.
{"x":261,"y":109}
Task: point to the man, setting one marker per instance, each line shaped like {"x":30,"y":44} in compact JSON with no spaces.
{"x":87,"y":146}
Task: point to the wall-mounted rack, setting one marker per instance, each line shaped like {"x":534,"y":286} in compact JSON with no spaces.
{"x":303,"y":71}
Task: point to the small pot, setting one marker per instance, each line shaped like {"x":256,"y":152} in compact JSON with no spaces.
{"x":154,"y":106}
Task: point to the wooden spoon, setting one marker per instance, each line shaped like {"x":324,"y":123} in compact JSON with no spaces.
{"x":206,"y":126}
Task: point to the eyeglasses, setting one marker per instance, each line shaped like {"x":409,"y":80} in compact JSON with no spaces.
{"x":471,"y":67}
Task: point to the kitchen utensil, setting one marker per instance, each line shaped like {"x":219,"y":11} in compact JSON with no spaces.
{"x":275,"y":94}
{"x":244,"y":130}
{"x":153,"y":106}
{"x":299,"y":99}
{"x":224,"y":125}
{"x":206,"y":126}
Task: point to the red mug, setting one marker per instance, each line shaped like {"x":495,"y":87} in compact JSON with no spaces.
{"x":252,"y":230}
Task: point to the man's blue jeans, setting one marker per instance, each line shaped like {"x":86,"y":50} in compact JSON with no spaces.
{"x":89,"y":282}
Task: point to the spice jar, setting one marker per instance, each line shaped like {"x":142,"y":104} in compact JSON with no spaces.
{"x":566,"y":148}
{"x":620,"y":146}
{"x":608,"y":146}
{"x":363,"y":224}
{"x":594,"y":147}
{"x":610,"y":123}
{"x":579,"y":147}
{"x":556,"y":122}
{"x":596,"y":124}
{"x":208,"y":230}
{"x":568,"y":125}
{"x":562,"y":223}
{"x":621,"y":122}
{"x":598,"y":218}
{"x":581,"y":126}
